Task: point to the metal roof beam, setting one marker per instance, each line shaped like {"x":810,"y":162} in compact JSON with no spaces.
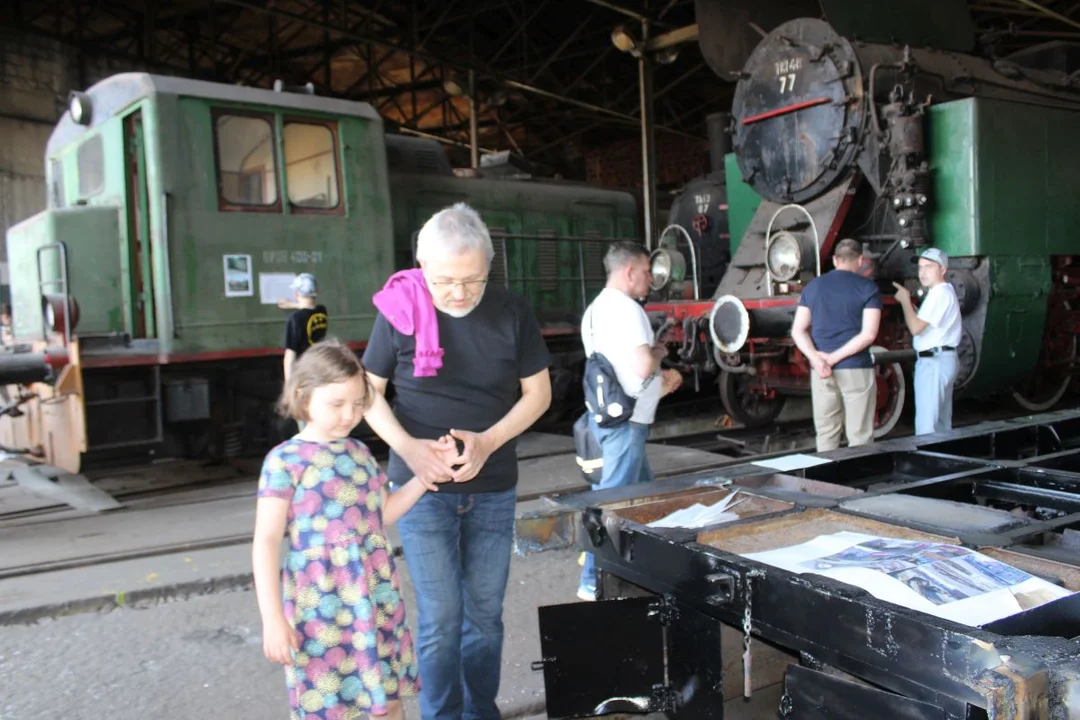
{"x":427,"y":55}
{"x":565,"y":43}
{"x":394,"y":90}
{"x":447,"y":7}
{"x":624,"y":11}
{"x":1051,"y":13}
{"x":523,"y":24}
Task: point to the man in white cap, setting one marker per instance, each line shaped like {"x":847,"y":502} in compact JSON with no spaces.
{"x":935,"y":335}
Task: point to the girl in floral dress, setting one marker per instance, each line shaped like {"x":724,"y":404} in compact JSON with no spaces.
{"x":338,"y":624}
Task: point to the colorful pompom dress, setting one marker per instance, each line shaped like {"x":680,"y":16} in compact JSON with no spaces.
{"x":340,"y":586}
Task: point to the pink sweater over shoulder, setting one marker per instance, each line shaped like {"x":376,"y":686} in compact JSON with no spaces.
{"x":407,"y":304}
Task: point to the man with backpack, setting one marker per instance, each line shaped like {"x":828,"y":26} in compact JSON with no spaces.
{"x":618,"y":339}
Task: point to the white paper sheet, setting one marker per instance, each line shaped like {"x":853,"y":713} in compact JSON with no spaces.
{"x":947,"y":581}
{"x":699,"y":515}
{"x":274,"y":287}
{"x":786,"y":463}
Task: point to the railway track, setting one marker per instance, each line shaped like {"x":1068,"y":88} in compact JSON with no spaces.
{"x":169,"y":482}
{"x":181,"y":483}
{"x":173,"y":482}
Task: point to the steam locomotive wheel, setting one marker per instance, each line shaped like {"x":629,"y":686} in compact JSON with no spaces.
{"x":1043,"y":390}
{"x":891,"y":394}
{"x":1047,"y":385}
{"x":746,"y":404}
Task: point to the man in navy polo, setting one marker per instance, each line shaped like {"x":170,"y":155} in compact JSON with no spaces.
{"x":835,"y":324}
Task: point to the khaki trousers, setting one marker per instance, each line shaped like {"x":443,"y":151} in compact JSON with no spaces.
{"x":845,"y":400}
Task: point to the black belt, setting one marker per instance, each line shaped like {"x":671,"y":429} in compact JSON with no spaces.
{"x":934,"y":351}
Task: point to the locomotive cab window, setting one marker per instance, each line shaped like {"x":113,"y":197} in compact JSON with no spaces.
{"x":311,"y":168}
{"x":247,"y":171}
{"x":90,"y":162}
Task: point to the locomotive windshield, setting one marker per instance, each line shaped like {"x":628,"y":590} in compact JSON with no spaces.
{"x":248,"y":163}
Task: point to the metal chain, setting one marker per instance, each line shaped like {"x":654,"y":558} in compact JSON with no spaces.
{"x":747,"y":627}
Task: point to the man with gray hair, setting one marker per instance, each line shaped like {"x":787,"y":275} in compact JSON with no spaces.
{"x":616,"y":326}
{"x":468,"y":361}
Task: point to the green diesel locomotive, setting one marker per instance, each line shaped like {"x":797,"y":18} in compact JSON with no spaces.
{"x":179,"y":211}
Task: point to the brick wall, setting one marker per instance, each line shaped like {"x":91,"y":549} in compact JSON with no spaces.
{"x":618,"y":164}
{"x":36,"y":75}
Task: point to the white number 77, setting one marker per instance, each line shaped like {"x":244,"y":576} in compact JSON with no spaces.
{"x":788,"y":81}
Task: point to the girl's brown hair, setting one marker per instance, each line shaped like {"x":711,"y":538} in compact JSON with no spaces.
{"x":326,"y":362}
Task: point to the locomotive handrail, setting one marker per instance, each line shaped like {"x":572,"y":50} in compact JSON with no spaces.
{"x":170,"y":306}
{"x":63,"y":282}
{"x":768,"y":241}
{"x":693,"y":256}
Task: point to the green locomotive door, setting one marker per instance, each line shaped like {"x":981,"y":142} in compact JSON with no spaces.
{"x":140,"y":320}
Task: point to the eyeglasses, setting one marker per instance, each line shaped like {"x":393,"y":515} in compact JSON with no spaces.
{"x":463,"y":284}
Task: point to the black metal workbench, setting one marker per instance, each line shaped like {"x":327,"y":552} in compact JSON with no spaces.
{"x":655,"y":641}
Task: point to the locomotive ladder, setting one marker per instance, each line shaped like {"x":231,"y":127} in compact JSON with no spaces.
{"x":65,"y":291}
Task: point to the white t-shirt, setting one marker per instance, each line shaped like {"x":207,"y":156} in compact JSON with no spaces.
{"x":941,"y":311}
{"x":618,"y":325}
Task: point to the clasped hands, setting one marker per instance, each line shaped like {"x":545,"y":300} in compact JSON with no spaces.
{"x":438,"y":461}
{"x":822,"y":363}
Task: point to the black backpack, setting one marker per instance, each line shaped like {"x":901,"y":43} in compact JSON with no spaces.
{"x":605,"y":398}
{"x":590,"y":456}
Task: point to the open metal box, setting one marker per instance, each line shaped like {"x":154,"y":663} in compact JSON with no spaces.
{"x":677,"y":606}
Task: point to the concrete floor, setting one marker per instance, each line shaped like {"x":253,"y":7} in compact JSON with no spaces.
{"x":201,"y":657}
{"x":177,"y":634}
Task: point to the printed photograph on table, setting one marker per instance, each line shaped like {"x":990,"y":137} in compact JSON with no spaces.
{"x":1002,"y":573}
{"x":887,"y":555}
{"x":939,"y":573}
{"x":238,"y":279}
{"x":964,"y":576}
{"x":928,"y":587}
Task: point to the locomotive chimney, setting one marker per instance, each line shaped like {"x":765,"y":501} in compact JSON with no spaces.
{"x":719,"y":140}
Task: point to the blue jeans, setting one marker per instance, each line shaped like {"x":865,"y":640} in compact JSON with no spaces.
{"x":457,"y":547}
{"x":934,"y":380}
{"x":625,"y":463}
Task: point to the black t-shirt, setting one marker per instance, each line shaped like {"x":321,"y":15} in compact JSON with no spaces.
{"x":304,"y":328}
{"x":836,"y":301}
{"x":486,"y":354}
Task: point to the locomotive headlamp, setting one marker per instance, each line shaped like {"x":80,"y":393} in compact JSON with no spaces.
{"x":785,"y":257}
{"x":80,"y":107}
{"x":60,"y":313}
{"x":667,"y":265}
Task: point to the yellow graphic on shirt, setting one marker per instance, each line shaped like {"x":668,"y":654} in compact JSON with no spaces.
{"x":317,"y":321}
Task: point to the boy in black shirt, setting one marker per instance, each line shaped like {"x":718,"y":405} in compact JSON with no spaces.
{"x":307,"y":325}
